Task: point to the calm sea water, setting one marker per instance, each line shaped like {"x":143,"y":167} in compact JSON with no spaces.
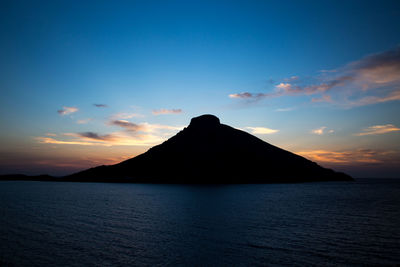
{"x":85,"y":224}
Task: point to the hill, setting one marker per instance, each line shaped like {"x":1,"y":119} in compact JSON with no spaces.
{"x":210,"y":152}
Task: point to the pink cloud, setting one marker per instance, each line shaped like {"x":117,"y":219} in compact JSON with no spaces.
{"x":67,"y":110}
{"x":166,"y":111}
{"x":370,"y":80}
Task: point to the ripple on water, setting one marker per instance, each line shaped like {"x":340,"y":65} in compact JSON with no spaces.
{"x":47,"y":223}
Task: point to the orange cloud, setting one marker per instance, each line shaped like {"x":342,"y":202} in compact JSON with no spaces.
{"x":114,"y":139}
{"x":143,"y":134}
{"x":351,"y":157}
{"x":378,"y":129}
{"x":49,"y":140}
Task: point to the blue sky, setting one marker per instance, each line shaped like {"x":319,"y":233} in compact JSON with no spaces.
{"x":318,"y":78}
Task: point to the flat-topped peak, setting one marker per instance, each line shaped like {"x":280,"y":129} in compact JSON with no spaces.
{"x":204,"y":121}
{"x":209,"y":152}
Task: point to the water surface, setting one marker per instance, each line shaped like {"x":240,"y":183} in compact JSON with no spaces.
{"x":75,"y":224}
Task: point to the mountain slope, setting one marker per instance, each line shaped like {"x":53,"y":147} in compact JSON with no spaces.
{"x":209,"y":152}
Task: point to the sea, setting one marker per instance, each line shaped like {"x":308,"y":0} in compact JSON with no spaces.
{"x":110,"y":224}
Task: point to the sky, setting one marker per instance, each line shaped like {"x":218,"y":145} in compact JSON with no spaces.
{"x":88,"y":83}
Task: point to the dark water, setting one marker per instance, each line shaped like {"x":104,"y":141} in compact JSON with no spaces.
{"x":85,"y":224}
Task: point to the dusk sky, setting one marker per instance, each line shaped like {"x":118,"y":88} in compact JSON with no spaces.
{"x":87,"y":83}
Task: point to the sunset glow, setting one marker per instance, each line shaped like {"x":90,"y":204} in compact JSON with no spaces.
{"x":91,"y":84}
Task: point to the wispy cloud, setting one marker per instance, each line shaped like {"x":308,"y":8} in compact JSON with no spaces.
{"x":125,"y":115}
{"x":67,"y":110}
{"x":261,"y":130}
{"x":166,"y":111}
{"x":246,"y":95}
{"x":84,"y":121}
{"x":100,"y":105}
{"x":97,"y":137}
{"x":144,"y":127}
{"x":284,"y":109}
{"x":321,"y":130}
{"x":367,"y":100}
{"x":132,"y":134}
{"x":350,"y":157}
{"x":378,"y":129}
{"x":130,"y":126}
{"x":370,"y":80}
{"x":49,"y":140}
{"x":324,"y":98}
{"x":284,"y":89}
{"x":291,"y":79}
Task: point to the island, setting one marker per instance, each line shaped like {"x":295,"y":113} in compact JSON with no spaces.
{"x":206,"y":152}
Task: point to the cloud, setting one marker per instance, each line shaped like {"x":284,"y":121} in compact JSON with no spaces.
{"x":144,"y":127}
{"x":131,"y":134}
{"x":123,"y":115}
{"x":261,"y":130}
{"x":324,"y":98}
{"x":321,"y":130}
{"x":350,"y":157}
{"x":100,"y":105}
{"x":84,"y":121}
{"x":367,"y":100}
{"x":97,"y":137}
{"x":370,"y":80}
{"x":283,"y":89}
{"x":242,"y":95}
{"x":291,"y":79}
{"x":67,"y":110}
{"x":127,"y":125}
{"x":150,"y":128}
{"x":284,"y":109}
{"x":166,"y":111}
{"x":49,"y":140}
{"x":380,"y":68}
{"x":378,"y":129}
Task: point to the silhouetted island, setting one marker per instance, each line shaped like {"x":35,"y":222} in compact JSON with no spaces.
{"x":210,"y":152}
